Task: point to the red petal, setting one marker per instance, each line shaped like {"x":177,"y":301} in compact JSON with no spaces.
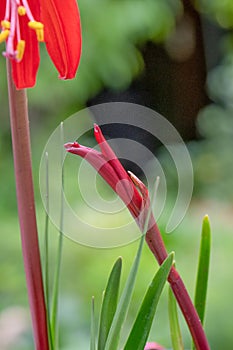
{"x":24,"y":72}
{"x":62,"y":34}
{"x":98,"y":162}
{"x":109,"y":167}
{"x":2,"y":9}
{"x":105,"y":170}
{"x":110,"y":156}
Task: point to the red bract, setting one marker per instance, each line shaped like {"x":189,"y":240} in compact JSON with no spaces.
{"x":125,"y":184}
{"x":110,"y":168}
{"x":24,"y":23}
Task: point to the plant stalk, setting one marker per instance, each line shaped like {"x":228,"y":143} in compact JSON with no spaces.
{"x":26,"y":210}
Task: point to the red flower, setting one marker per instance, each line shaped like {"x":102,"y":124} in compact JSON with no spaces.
{"x":125,"y":184}
{"x":109,"y":167}
{"x":24,"y":23}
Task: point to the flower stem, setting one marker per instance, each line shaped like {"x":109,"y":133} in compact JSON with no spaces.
{"x":26,"y":210}
{"x":156,"y":245}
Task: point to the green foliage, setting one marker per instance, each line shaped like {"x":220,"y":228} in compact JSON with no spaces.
{"x":212,"y":156}
{"x":93,"y":343}
{"x":109,"y":303}
{"x":203,"y":269}
{"x":113,"y":316}
{"x":142,"y":325}
{"x":221,"y":11}
{"x":176,"y":338}
{"x":123,"y":306}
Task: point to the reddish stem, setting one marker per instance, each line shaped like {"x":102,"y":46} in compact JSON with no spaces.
{"x":26,"y":210}
{"x":156,"y":245}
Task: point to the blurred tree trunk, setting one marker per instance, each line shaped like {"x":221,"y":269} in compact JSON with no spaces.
{"x":189,"y":75}
{"x":173,"y":82}
{"x":176,"y":73}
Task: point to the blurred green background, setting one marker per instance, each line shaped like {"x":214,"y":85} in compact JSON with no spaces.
{"x":177,"y":58}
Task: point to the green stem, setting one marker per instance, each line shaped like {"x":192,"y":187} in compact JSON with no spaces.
{"x":46,"y":239}
{"x":46,"y":255}
{"x":54,"y":309}
{"x":26,"y":210}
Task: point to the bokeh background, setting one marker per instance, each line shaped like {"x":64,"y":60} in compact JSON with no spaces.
{"x":175,"y":57}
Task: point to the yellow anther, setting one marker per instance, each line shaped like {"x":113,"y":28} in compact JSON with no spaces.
{"x":40,"y":34}
{"x":4,"y":35}
{"x":21,"y":11}
{"x":39,"y":28}
{"x":5,"y":24}
{"x":35,"y":25}
{"x":20,"y":50}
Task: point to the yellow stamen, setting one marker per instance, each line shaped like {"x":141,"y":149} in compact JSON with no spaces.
{"x":5,"y":24}
{"x":4,"y":35}
{"x":21,"y":10}
{"x":20,"y":50}
{"x":39,"y":28}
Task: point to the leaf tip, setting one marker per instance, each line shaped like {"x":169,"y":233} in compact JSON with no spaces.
{"x":172,"y":255}
{"x":206,"y":225}
{"x":206,"y":218}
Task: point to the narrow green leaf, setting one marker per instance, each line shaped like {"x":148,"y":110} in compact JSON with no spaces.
{"x":46,"y":236}
{"x":92,"y":343}
{"x":56,"y":284}
{"x":177,"y":343}
{"x":122,"y":308}
{"x":46,"y":254}
{"x":141,"y":328}
{"x":203,"y":269}
{"x":109,"y":303}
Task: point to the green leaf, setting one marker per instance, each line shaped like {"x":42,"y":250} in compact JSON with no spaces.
{"x":141,"y":328}
{"x":109,"y":303}
{"x":203,"y":269}
{"x":122,"y":308}
{"x":92,"y":344}
{"x":57,"y":275}
{"x":46,"y":254}
{"x":177,"y":343}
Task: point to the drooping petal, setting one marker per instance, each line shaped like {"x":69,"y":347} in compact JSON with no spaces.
{"x":62,"y":34}
{"x":96,"y":159}
{"x":109,"y":167}
{"x":24,"y":72}
{"x":123,"y":187}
